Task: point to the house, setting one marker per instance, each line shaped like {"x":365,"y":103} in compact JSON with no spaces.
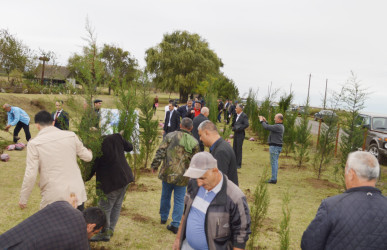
{"x":54,"y":74}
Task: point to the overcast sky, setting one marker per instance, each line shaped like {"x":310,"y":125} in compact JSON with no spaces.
{"x":260,"y":42}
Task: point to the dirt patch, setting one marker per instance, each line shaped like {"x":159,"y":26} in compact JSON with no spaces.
{"x":137,"y":188}
{"x":140,"y":218}
{"x":287,"y":166}
{"x":249,"y":195}
{"x":145,"y":170}
{"x":268,"y":224}
{"x":285,"y":157}
{"x":266,"y":149}
{"x":38,"y":103}
{"x":93,"y":246}
{"x":316,"y":183}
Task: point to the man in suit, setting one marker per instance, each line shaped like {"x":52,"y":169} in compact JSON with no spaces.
{"x":183,"y":110}
{"x":113,"y":177}
{"x":57,"y":226}
{"x":239,"y":125}
{"x":53,"y":153}
{"x":61,"y":117}
{"x":220,"y":149}
{"x":220,"y":109}
{"x":196,"y":122}
{"x":230,"y":112}
{"x":172,"y":119}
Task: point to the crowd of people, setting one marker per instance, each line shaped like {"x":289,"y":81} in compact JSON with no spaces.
{"x":209,"y":211}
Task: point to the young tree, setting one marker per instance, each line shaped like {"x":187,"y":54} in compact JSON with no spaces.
{"x":303,"y":138}
{"x":259,"y":207}
{"x":326,"y":142}
{"x":149,"y":134}
{"x":285,"y":222}
{"x":251,"y":109}
{"x":354,"y":97}
{"x":289,"y":122}
{"x":180,"y":62}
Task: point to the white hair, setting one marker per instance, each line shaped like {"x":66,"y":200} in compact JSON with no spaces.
{"x":205,"y":110}
{"x":364,"y":164}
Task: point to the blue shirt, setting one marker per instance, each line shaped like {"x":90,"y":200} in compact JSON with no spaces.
{"x":17,"y":114}
{"x":196,"y":235}
{"x":213,"y":145}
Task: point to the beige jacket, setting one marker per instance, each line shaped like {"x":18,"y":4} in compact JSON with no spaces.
{"x":53,"y":153}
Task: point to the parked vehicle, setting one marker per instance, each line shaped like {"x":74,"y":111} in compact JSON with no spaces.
{"x":376,"y":141}
{"x":324,"y":114}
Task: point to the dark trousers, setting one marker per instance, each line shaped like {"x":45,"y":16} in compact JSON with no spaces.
{"x":220,"y":116}
{"x":17,"y":129}
{"x":237,"y":146}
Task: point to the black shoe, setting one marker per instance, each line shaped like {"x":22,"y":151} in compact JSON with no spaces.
{"x":172,"y":229}
{"x":163,"y":221}
{"x":272,"y":181}
{"x":239,"y":167}
{"x":100,"y":237}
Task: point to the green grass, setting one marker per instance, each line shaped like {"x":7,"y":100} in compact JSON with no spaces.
{"x":139,"y":225}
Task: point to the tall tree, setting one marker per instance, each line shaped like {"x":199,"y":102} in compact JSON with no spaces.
{"x":118,"y":64}
{"x":220,"y":83}
{"x":14,"y":54}
{"x":180,"y":62}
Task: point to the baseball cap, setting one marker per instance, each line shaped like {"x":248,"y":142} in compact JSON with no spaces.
{"x":200,"y":163}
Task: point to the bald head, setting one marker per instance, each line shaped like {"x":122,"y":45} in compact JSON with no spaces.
{"x":278,"y":118}
{"x":7,"y":107}
{"x":208,"y":133}
{"x":205,"y":111}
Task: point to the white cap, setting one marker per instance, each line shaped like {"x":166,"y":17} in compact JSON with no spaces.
{"x":200,"y":163}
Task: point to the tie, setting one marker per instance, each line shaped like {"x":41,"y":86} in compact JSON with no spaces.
{"x":57,"y":114}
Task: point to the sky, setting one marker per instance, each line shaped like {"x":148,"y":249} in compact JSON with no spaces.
{"x":261,"y":43}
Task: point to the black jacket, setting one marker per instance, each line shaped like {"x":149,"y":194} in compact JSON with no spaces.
{"x":239,"y":126}
{"x":183,"y":111}
{"x":356,"y":219}
{"x":196,"y":122}
{"x":225,"y":156}
{"x":62,"y":121}
{"x":175,"y":121}
{"x":112,"y":169}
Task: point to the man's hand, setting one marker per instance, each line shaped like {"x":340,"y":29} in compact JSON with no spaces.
{"x":22,"y":206}
{"x":73,"y":200}
{"x":7,"y":128}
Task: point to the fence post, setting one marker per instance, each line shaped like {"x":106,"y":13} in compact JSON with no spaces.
{"x":364,"y":139}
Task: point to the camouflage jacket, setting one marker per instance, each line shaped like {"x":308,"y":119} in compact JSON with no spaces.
{"x":176,"y":152}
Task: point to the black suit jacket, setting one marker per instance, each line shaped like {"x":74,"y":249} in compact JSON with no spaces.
{"x":62,"y":121}
{"x":112,"y":169}
{"x":225,"y":156}
{"x":57,"y":226}
{"x":196,"y":122}
{"x":175,"y":121}
{"x":239,"y":126}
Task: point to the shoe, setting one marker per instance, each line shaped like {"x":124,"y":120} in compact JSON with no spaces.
{"x":100,"y":237}
{"x":16,"y":138}
{"x":163,"y":221}
{"x":172,"y":229}
{"x":272,"y":181}
{"x":239,"y":167}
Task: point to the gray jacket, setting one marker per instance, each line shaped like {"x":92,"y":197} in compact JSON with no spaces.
{"x":276,"y":133}
{"x":227,"y":223}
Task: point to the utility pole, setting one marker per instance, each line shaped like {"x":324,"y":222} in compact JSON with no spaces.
{"x":325,"y":97}
{"x":307,"y":99}
{"x":44,"y":59}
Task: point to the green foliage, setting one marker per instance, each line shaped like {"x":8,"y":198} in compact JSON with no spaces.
{"x":149,"y":134}
{"x":180,"y":62}
{"x":289,"y":122}
{"x":354,"y":97}
{"x":118,"y":64}
{"x":212,"y":103}
{"x":285,"y":222}
{"x":326,"y":141}
{"x":259,"y":207}
{"x":14,"y":55}
{"x":303,"y":139}
{"x":251,"y":109}
{"x":226,"y":131}
{"x":219,"y":83}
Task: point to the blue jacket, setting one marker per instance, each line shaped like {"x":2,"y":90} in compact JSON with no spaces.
{"x":356,"y":219}
{"x":17,"y":114}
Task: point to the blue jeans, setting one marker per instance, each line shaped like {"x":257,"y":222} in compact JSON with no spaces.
{"x":112,"y":207}
{"x":274,"y":155}
{"x":178,"y":202}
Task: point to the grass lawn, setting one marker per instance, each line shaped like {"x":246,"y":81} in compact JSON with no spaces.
{"x":139,"y":225}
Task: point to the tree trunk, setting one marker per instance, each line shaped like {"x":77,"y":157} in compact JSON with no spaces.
{"x":183,"y":95}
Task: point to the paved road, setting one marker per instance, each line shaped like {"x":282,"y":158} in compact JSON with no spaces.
{"x":314,"y":126}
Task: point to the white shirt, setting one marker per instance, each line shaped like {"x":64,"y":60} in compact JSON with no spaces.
{"x":170,"y":116}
